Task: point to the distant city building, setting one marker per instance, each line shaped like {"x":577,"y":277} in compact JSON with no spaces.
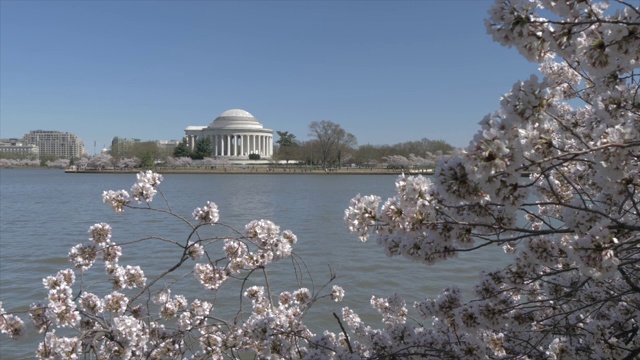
{"x":120,"y":146}
{"x":167,"y":144}
{"x":57,"y":144}
{"x":18,"y":147}
{"x":235,"y":134}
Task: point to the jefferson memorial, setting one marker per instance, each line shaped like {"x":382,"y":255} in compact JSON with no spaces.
{"x":234,"y":134}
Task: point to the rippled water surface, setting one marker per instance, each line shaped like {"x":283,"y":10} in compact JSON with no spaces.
{"x":43,"y":213}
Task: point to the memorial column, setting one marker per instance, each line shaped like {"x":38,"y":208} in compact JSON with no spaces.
{"x":254,"y":144}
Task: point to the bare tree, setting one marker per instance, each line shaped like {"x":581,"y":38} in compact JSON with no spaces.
{"x":332,"y":140}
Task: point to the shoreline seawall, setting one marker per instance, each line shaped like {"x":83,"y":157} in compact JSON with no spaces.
{"x":259,"y":171}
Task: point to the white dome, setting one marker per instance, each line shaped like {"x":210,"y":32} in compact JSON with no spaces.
{"x":235,"y":119}
{"x":237,"y":112}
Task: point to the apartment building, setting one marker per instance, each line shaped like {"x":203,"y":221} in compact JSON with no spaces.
{"x":56,"y":143}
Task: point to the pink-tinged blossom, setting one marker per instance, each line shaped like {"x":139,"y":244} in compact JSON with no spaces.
{"x":195,"y":251}
{"x":61,"y":307}
{"x":111,"y":253}
{"x":163,"y":344}
{"x":118,"y":200}
{"x":83,"y":256}
{"x":234,"y":249}
{"x":209,"y":276}
{"x":63,"y":278}
{"x":10,"y":324}
{"x":262,"y":232}
{"x":285,"y":298}
{"x":39,"y":318}
{"x":361,"y":216}
{"x":237,"y":254}
{"x":337,"y":293}
{"x":55,"y":347}
{"x":146,"y":185}
{"x":143,"y":191}
{"x":254,"y":293}
{"x":302,"y":296}
{"x":100,"y":233}
{"x":116,"y":303}
{"x":594,"y":253}
{"x":208,"y":214}
{"x":170,"y":307}
{"x":126,"y":277}
{"x":91,"y":303}
{"x":284,"y":248}
{"x":134,"y":277}
{"x":271,"y":244}
{"x":393,"y":309}
{"x":132,"y":334}
{"x":274,"y":330}
{"x":196,"y":315}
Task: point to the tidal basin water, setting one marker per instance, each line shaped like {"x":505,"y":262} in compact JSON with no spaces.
{"x":43,"y":213}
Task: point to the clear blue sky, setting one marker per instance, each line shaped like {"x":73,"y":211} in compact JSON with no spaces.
{"x":386,"y":71}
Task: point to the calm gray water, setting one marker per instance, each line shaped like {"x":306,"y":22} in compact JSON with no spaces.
{"x":43,"y":213}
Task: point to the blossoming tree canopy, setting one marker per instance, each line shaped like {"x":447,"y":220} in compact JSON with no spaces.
{"x":573,"y":289}
{"x":571,"y":228}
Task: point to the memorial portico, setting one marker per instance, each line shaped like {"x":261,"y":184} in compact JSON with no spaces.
{"x":234,"y":134}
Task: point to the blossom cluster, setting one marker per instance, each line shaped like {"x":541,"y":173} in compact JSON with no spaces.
{"x":144,"y":189}
{"x":262,"y":244}
{"x":208,"y":214}
{"x":136,"y":319}
{"x":10,"y":324}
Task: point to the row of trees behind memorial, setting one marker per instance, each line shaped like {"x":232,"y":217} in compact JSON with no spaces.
{"x":330,"y":145}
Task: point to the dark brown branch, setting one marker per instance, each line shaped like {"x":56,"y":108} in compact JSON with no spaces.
{"x":346,"y":336}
